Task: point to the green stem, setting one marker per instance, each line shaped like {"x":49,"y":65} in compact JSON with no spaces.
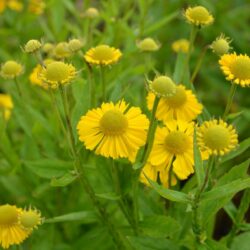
{"x":92,"y":90}
{"x":18,"y":87}
{"x":103,"y":81}
{"x":170,"y":172}
{"x":229,"y":100}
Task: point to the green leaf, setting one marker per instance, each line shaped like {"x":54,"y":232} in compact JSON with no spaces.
{"x":243,"y":146}
{"x":241,"y":242}
{"x":168,"y":193}
{"x":159,"y":226}
{"x":225,"y":190}
{"x":84,"y":217}
{"x":244,"y":227}
{"x":63,"y":181}
{"x":179,"y":67}
{"x":198,"y":163}
{"x":49,"y":168}
{"x":109,"y":196}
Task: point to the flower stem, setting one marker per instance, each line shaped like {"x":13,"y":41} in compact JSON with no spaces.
{"x":229,"y":100}
{"x":18,"y":87}
{"x":103,"y":80}
{"x":92,"y":90}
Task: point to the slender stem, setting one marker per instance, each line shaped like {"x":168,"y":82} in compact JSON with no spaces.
{"x":170,"y":172}
{"x":18,"y":87}
{"x":199,"y":63}
{"x":103,"y":80}
{"x":92,"y":91}
{"x":229,"y":100}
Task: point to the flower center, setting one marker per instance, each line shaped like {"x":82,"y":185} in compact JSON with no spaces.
{"x":29,"y":219}
{"x":217,"y":137}
{"x":103,"y":53}
{"x":241,"y":68}
{"x":113,"y":122}
{"x":199,"y":13}
{"x":178,"y":99}
{"x":57,"y":71}
{"x":163,"y":86}
{"x":176,"y":142}
{"x":11,"y":68}
{"x":8,"y":215}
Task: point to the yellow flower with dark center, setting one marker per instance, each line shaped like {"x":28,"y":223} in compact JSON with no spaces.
{"x":114,"y":130}
{"x":11,"y":232}
{"x":236,"y":68}
{"x":198,"y":16}
{"x":216,"y":137}
{"x":181,"y":45}
{"x":103,"y":55}
{"x":182,"y":105}
{"x":148,"y":44}
{"x":11,"y":69}
{"x":174,"y":143}
{"x":30,"y":219}
{"x":57,"y":73}
{"x":6,"y":105}
{"x":221,"y":45}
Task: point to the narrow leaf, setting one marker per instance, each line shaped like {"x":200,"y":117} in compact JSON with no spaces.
{"x":64,"y":180}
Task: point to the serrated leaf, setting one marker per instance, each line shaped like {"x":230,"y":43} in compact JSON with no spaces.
{"x":63,"y":181}
{"x":84,"y":217}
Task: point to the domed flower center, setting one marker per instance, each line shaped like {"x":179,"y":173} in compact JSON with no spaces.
{"x":113,"y":122}
{"x":103,"y":53}
{"x":29,"y":219}
{"x":199,"y":14}
{"x":163,"y":86}
{"x":176,"y":142}
{"x":8,"y":215}
{"x":241,"y":68}
{"x":11,"y":68}
{"x":217,"y":137}
{"x":178,"y":99}
{"x":57,"y":71}
{"x":148,"y":44}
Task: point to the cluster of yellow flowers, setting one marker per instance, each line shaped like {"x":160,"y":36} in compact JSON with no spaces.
{"x":16,"y":224}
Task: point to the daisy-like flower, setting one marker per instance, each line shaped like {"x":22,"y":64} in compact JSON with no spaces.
{"x":221,"y":45}
{"x":174,"y":143}
{"x":216,"y":137}
{"x":11,"y":69}
{"x":57,"y":73}
{"x":198,"y":16}
{"x":114,"y":130}
{"x":11,"y":232}
{"x":148,"y":44}
{"x":181,"y":45}
{"x":6,"y":105}
{"x":30,"y":219}
{"x":103,"y":55}
{"x":236,"y":68}
{"x":182,"y":105}
{"x":36,"y":7}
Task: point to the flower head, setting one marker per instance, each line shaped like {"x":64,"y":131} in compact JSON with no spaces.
{"x":162,"y":86}
{"x":198,"y":16}
{"x":236,"y":68}
{"x":11,"y":69}
{"x":221,"y":45}
{"x":181,"y":45}
{"x":216,"y":137}
{"x":75,"y":45}
{"x":15,"y":5}
{"x":91,"y":13}
{"x":32,"y":46}
{"x":114,"y":130}
{"x":57,"y":73}
{"x":174,"y":143}
{"x":30,"y":219}
{"x":10,"y":231}
{"x":62,"y":50}
{"x":148,"y":44}
{"x":48,"y":48}
{"x":36,"y":7}
{"x":181,"y":105}
{"x":6,"y":105}
{"x":102,"y":55}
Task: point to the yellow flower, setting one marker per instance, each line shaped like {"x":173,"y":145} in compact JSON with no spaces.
{"x":6,"y":105}
{"x":15,"y":5}
{"x":75,"y":45}
{"x":236,"y":68}
{"x":102,"y":55}
{"x":36,"y":7}
{"x":174,"y":142}
{"x":162,"y":86}
{"x":198,"y":16}
{"x":181,"y":45}
{"x":32,"y":46}
{"x":91,"y":13}
{"x":148,"y":44}
{"x":114,"y":130}
{"x":156,"y":173}
{"x":221,"y":45}
{"x":216,"y":137}
{"x":61,"y":50}
{"x":11,"y":69}
{"x":57,"y":73}
{"x":182,"y":105}
{"x":30,"y":219}
{"x":35,"y":75}
{"x":11,"y":232}
{"x":47,"y":48}
{"x":2,"y":5}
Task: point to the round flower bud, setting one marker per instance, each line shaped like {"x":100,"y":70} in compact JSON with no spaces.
{"x":11,"y":69}
{"x":181,"y":45}
{"x":221,"y":45}
{"x":148,"y":44}
{"x":47,"y":48}
{"x":91,"y":13}
{"x":30,"y":219}
{"x":162,"y":86}
{"x":75,"y":45}
{"x":32,"y":46}
{"x":62,"y":50}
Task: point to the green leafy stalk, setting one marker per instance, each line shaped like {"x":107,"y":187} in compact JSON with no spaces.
{"x":229,"y":100}
{"x":103,"y":81}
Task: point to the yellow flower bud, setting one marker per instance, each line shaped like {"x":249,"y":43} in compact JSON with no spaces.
{"x":75,"y":45}
{"x":30,"y":219}
{"x":32,"y":46}
{"x":148,"y":44}
{"x":221,"y":45}
{"x":91,"y":13}
{"x":11,"y":69}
